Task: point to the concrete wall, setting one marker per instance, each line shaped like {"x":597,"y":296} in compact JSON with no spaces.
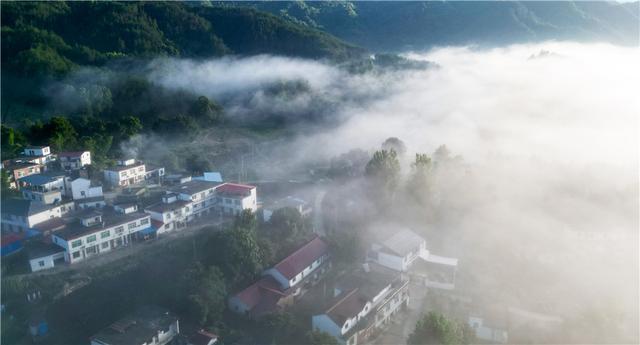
{"x":47,"y":262}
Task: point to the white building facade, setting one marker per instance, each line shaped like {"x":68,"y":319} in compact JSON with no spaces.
{"x":126,"y":173}
{"x":74,"y":160}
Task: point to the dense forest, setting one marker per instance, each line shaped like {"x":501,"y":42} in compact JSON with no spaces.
{"x":45,"y":42}
{"x":397,"y":26}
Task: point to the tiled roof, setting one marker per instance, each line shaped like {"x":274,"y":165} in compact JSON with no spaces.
{"x":262,"y":296}
{"x":109,"y":220}
{"x":193,"y":187}
{"x":39,"y":179}
{"x":71,"y":153}
{"x":347,"y":306}
{"x":234,"y":189}
{"x":202,"y":337}
{"x":302,"y":258}
{"x":162,"y":207}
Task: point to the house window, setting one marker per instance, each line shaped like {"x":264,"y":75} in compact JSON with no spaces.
{"x":131,"y":225}
{"x":105,"y":234}
{"x":144,"y":221}
{"x":75,"y":244}
{"x":91,"y":238}
{"x":82,"y":193}
{"x":75,"y":255}
{"x":237,"y":202}
{"x":119,"y":230}
{"x":104,"y":245}
{"x":41,"y":263}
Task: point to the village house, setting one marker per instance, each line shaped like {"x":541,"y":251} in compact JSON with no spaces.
{"x":154,"y":174}
{"x":405,"y":250}
{"x":44,"y":255}
{"x":284,"y":282}
{"x":147,"y":325}
{"x":202,"y":337}
{"x":99,"y":231}
{"x":18,"y":169}
{"x":74,"y":160}
{"x":363,"y":304}
{"x":399,"y":250}
{"x":170,"y":214}
{"x":38,"y":154}
{"x":289,"y":202}
{"x":233,"y":198}
{"x":201,"y":193}
{"x":127,"y":172}
{"x":82,"y":188}
{"x":25,"y":216}
{"x":47,"y":188}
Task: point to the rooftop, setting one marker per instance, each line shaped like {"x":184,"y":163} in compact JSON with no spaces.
{"x":71,"y":153}
{"x":124,"y":167}
{"x":262,"y":296}
{"x":37,"y":249}
{"x":40,"y":179}
{"x":109,"y":219}
{"x":202,"y":337}
{"x":234,"y":189}
{"x":302,"y":258}
{"x":403,"y":242}
{"x":91,"y":199}
{"x":21,"y":207}
{"x":138,"y":327}
{"x":193,"y":187}
{"x":163,"y":207}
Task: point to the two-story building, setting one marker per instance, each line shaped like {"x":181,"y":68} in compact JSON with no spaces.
{"x":19,"y":169}
{"x":127,"y":172}
{"x":170,"y":214}
{"x":287,"y":280}
{"x":147,"y":325}
{"x":82,"y":188}
{"x":38,"y":154}
{"x":47,"y":188}
{"x":363,"y":305}
{"x":74,"y":160}
{"x":21,"y":216}
{"x":233,"y":198}
{"x":201,"y":193}
{"x":98,"y":232}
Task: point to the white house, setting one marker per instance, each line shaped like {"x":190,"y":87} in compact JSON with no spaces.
{"x":20,"y":215}
{"x":38,"y":154}
{"x":280,"y":284}
{"x":43,"y":183}
{"x":301,"y":264}
{"x":45,"y":197}
{"x":364,"y":303}
{"x":233,"y":198}
{"x":289,"y":202}
{"x":83,"y":188}
{"x":147,"y":325}
{"x":74,"y":160}
{"x":43,"y":256}
{"x":399,"y":250}
{"x":170,"y":214}
{"x":201,"y":193}
{"x":98,"y":232}
{"x":126,"y":173}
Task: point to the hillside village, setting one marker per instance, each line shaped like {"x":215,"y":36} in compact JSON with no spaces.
{"x":62,"y":217}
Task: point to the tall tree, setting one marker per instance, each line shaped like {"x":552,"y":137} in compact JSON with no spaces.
{"x":237,"y":253}
{"x":419,"y":182}
{"x":384,"y":171}
{"x":206,"y":292}
{"x":320,"y":338}
{"x":435,"y":328}
{"x":395,"y":144}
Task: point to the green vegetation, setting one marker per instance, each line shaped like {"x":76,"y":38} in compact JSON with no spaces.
{"x":435,"y":328}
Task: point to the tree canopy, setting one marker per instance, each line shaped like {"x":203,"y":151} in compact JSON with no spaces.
{"x":435,"y":328}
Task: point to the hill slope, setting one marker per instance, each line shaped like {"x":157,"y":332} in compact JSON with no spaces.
{"x":393,"y":25}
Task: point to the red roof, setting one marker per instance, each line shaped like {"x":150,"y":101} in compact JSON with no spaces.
{"x":202,"y":338}
{"x":234,"y":188}
{"x":71,"y":153}
{"x":10,"y":238}
{"x":262,"y":296}
{"x":302,"y":258}
{"x":347,"y":307}
{"x":156,"y":223}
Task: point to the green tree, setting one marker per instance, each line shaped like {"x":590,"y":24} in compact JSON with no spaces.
{"x":206,"y":111}
{"x":58,"y":132}
{"x":237,"y":253}
{"x":418,"y":185}
{"x":245,"y":220}
{"x":435,"y":328}
{"x":384,"y":171}
{"x":344,"y":247}
{"x":320,"y":338}
{"x":206,"y":292}
{"x":395,"y":144}
{"x":287,"y":225}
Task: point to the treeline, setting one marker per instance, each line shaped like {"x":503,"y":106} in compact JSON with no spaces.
{"x":51,"y":38}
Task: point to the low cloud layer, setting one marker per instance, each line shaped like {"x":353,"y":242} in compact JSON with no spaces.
{"x":547,"y":215}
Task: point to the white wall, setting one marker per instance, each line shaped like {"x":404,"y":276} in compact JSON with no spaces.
{"x":82,"y":186}
{"x":48,"y":262}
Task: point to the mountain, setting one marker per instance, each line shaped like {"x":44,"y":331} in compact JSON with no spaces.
{"x":399,"y":25}
{"x":50,"y":38}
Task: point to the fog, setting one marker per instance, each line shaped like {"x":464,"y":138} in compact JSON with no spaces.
{"x":543,"y":213}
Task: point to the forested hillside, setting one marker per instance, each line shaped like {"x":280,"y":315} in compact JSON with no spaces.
{"x":394,"y":26}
